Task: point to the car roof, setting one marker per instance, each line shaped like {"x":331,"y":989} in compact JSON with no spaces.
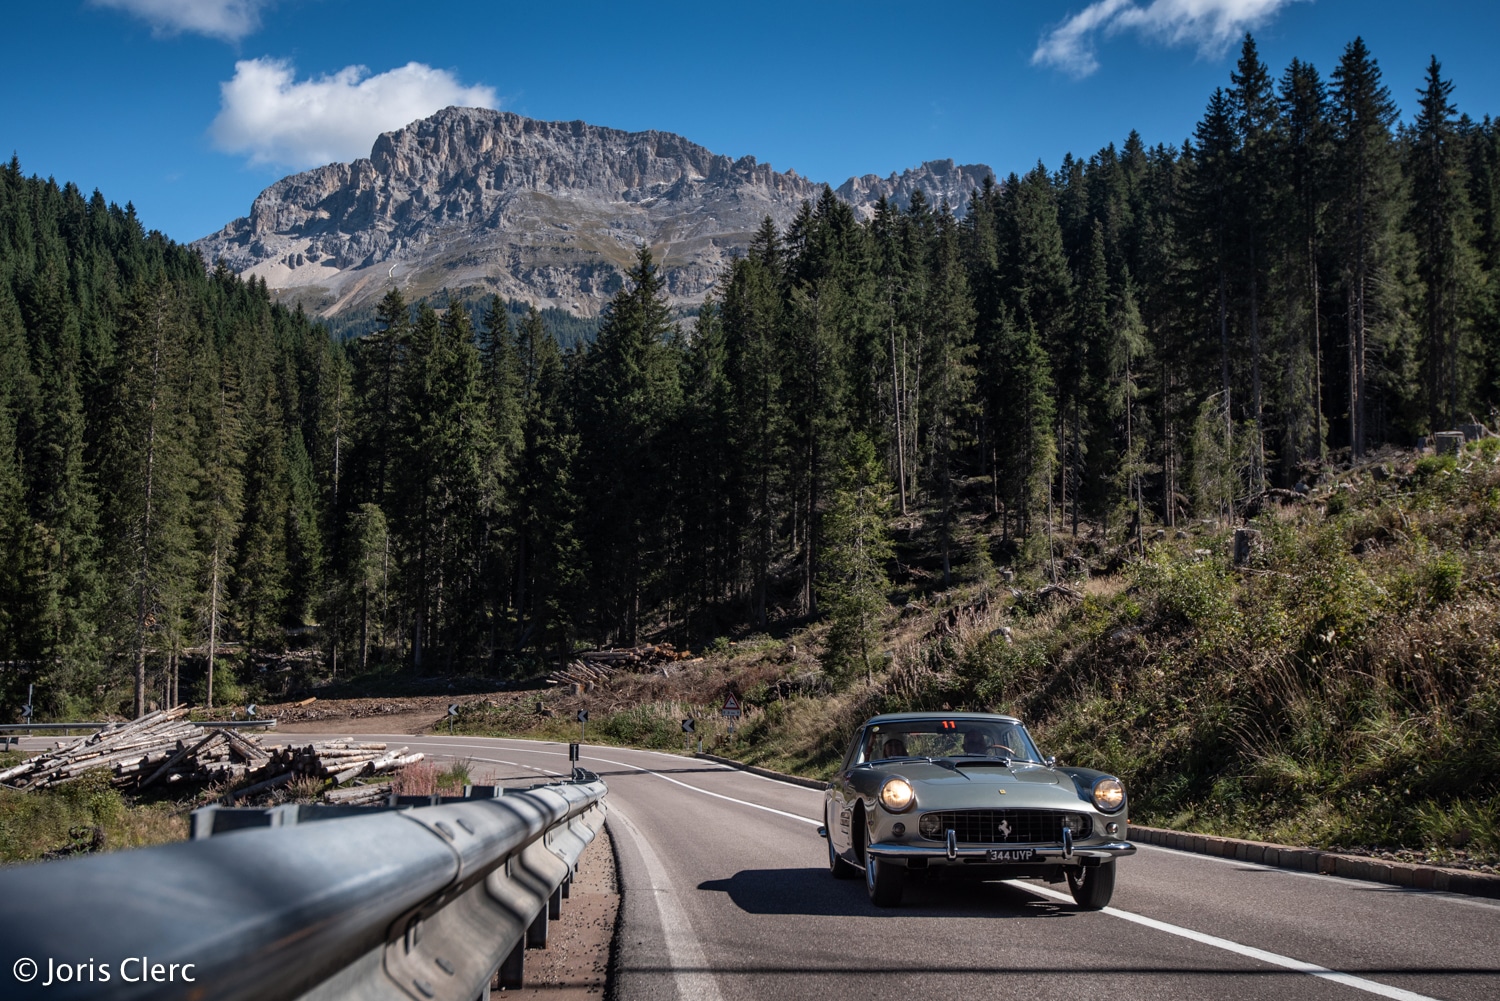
{"x":939,"y":713}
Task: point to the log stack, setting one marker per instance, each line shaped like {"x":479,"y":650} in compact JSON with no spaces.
{"x":596,"y":666}
{"x":159,"y":746}
{"x":164,"y":746}
{"x":341,"y":760}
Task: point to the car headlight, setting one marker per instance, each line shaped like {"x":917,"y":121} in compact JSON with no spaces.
{"x":896,"y":795}
{"x":1109,"y":794}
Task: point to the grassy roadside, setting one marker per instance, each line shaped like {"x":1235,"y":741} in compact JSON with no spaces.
{"x":86,"y":815}
{"x":1340,"y":691}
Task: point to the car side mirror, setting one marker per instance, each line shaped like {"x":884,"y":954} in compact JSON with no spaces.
{"x":1050,"y":761}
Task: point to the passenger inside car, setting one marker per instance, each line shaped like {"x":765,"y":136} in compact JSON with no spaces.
{"x":894,"y":747}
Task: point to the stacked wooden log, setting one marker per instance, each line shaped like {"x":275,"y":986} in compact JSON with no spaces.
{"x":582,"y":673}
{"x":596,"y":666}
{"x":341,"y":760}
{"x":158,"y":746}
{"x":358,"y":795}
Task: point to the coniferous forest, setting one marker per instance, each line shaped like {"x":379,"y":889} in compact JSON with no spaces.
{"x":194,"y":475}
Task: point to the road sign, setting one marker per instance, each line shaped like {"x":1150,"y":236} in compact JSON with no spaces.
{"x":26,"y":711}
{"x":251,"y":710}
{"x":731,"y":708}
{"x":687,"y":726}
{"x":453,"y":709}
{"x":583,"y":715}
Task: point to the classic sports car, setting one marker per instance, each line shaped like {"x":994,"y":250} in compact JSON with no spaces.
{"x":967,"y":795}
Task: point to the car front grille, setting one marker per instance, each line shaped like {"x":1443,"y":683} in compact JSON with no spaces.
{"x":1004,"y":826}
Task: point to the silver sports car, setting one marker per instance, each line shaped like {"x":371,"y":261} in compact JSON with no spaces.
{"x":968,"y":795}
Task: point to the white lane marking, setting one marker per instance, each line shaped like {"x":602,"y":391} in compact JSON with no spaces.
{"x":1275,"y":959}
{"x":684,"y":953}
{"x":715,"y":795}
{"x":1353,"y":884}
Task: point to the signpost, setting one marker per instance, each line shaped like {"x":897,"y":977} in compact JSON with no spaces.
{"x":583,"y":724}
{"x":452,"y":712}
{"x":731,"y":712}
{"x":26,"y":709}
{"x":573,"y":758}
{"x":687,"y":734}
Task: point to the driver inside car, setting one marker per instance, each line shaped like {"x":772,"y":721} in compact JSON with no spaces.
{"x":976,"y":742}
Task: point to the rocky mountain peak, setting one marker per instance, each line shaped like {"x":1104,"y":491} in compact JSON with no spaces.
{"x":546,"y":212}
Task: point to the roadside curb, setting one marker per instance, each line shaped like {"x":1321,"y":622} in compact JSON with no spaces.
{"x":1407,"y":874}
{"x":766,"y":772}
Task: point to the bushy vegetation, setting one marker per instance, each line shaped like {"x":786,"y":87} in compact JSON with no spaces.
{"x":84,"y":815}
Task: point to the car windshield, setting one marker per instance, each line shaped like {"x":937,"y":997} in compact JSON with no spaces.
{"x":946,"y":737}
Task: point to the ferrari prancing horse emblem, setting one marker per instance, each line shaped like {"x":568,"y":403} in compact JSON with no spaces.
{"x":1005,"y":828}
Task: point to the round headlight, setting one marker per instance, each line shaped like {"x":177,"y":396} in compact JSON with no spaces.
{"x":896,"y":794}
{"x":1109,"y":794}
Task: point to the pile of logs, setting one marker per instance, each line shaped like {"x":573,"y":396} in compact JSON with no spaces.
{"x":596,"y":666}
{"x":160,"y":745}
{"x":583,"y":674}
{"x":341,"y":760}
{"x":358,"y":795}
{"x":165,"y":746}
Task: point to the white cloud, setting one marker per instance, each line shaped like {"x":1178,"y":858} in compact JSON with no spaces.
{"x":276,"y":119}
{"x":230,"y":20}
{"x":1209,"y":24}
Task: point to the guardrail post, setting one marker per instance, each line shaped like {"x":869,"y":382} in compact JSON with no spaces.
{"x":513,"y":970}
{"x":536,"y":934}
{"x":554,"y":904}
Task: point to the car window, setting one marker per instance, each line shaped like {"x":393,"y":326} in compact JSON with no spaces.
{"x":946,"y":738}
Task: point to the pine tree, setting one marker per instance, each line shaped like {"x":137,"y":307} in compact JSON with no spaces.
{"x":1441,"y":219}
{"x":149,"y":481}
{"x":853,"y":581}
{"x":1304,"y":154}
{"x":1365,"y":165}
{"x":219,"y":506}
{"x":630,"y":396}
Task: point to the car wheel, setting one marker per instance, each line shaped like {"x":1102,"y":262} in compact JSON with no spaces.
{"x":839,"y":868}
{"x":1092,"y":887}
{"x":883,"y":881}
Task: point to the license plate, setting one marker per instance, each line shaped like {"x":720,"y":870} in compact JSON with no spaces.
{"x":1011,"y":854}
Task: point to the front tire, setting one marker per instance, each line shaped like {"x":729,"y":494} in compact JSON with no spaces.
{"x":1092,"y":887}
{"x":884,"y":881}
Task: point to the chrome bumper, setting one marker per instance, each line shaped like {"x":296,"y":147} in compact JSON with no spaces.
{"x":1059,"y":853}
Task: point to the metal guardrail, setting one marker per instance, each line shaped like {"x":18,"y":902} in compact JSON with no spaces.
{"x":425,"y":903}
{"x":239,"y":724}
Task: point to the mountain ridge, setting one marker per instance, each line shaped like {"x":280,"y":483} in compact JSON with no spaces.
{"x":546,"y":212}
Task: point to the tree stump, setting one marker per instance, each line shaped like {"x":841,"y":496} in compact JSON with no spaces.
{"x":1449,"y":442}
{"x":1247,"y":545}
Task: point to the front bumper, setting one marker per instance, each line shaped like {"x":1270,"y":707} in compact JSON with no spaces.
{"x":1049,"y":853}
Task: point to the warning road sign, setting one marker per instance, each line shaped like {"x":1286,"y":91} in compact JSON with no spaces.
{"x":731,"y":708}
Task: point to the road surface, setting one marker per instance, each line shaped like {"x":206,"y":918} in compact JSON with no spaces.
{"x":727,"y":898}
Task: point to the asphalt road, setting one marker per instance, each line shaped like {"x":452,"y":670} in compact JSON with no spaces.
{"x":727,"y":897}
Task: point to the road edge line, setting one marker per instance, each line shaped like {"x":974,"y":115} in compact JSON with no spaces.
{"x":1410,"y":875}
{"x":764,"y":772}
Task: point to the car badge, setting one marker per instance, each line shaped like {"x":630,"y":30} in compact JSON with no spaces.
{"x":1005,"y":828}
{"x":1002,"y":792}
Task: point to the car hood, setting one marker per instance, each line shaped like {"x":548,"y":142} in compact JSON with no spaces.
{"x":990,"y":786}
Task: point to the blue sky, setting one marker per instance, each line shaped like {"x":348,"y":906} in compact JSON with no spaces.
{"x":189,"y":108}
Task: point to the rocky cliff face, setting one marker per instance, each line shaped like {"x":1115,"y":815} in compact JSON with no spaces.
{"x":938,"y":180}
{"x":545,"y":212}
